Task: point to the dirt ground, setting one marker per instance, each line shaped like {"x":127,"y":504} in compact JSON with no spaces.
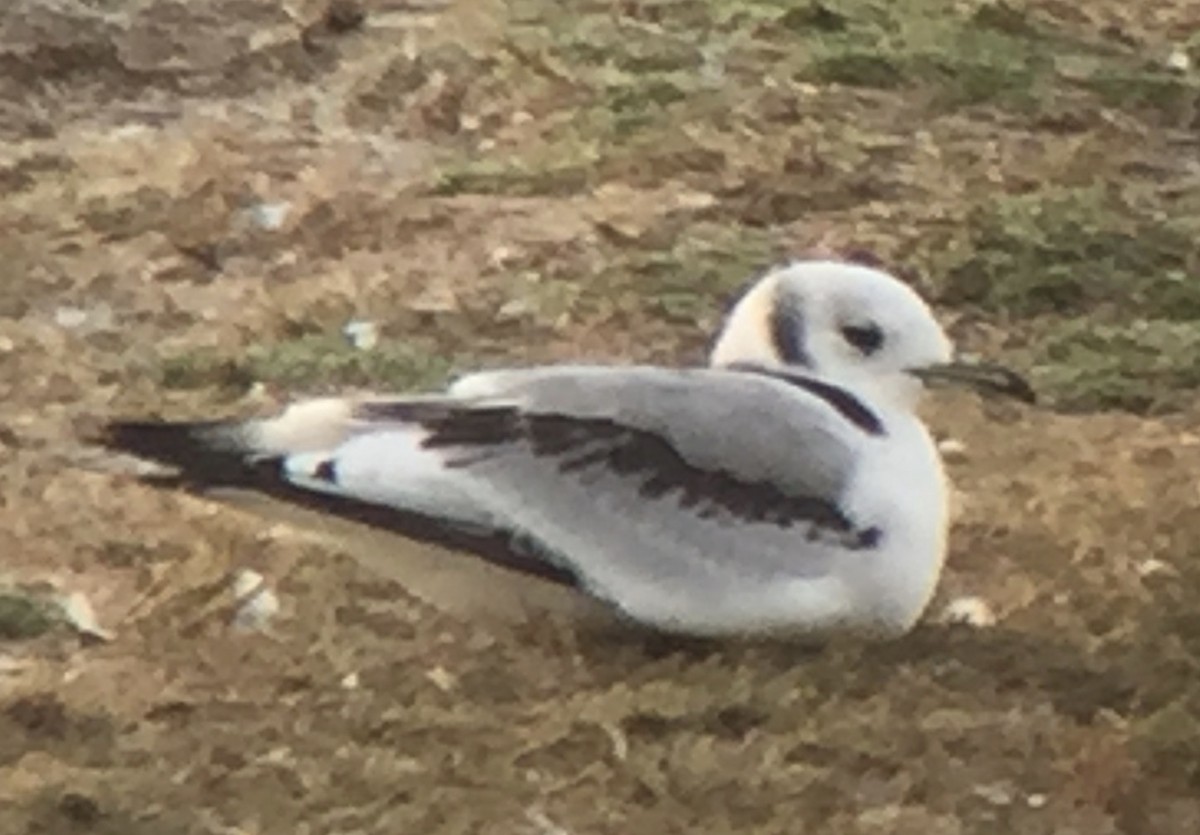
{"x":226,"y":177}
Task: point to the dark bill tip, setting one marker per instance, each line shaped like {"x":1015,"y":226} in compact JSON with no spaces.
{"x":984,"y":378}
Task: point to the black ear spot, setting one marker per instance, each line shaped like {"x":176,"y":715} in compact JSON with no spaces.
{"x":867,"y":339}
{"x":788,"y":332}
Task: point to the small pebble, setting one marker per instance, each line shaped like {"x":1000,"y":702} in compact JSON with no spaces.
{"x":1179,"y":61}
{"x":515,"y":309}
{"x":88,"y":320}
{"x":256,"y":604}
{"x":969,"y":611}
{"x":442,"y":679}
{"x":269,"y":216}
{"x":70,"y":317}
{"x":996,"y":794}
{"x":362,"y":334}
{"x":953,"y":450}
{"x":77,"y":610}
{"x":1153,"y":566}
{"x":500,"y":256}
{"x":259,"y":392}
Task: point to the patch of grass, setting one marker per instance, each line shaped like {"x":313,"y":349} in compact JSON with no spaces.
{"x":1146,"y":366}
{"x":683,"y":282}
{"x":329,"y":359}
{"x":1166,"y":734}
{"x":604,"y":84}
{"x":202,"y":369}
{"x":746,"y":101}
{"x":1065,"y":251}
{"x":1173,"y":95}
{"x":857,"y":67}
{"x":1169,"y":739}
{"x":307,"y":361}
{"x":566,"y":169}
{"x":962,"y":60}
{"x":24,"y":616}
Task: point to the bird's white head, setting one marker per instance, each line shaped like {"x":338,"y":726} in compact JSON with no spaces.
{"x":854,"y":325}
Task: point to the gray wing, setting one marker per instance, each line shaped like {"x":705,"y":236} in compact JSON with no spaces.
{"x":702,"y":488}
{"x":755,"y":426}
{"x":636,"y":479}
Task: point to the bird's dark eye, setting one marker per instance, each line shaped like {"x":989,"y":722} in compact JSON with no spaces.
{"x":866,"y":338}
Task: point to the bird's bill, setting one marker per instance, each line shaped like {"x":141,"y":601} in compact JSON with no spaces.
{"x":982,"y":377}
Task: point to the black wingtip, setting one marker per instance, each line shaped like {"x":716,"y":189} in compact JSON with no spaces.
{"x":211,"y":455}
{"x":206,"y":455}
{"x":202,"y":453}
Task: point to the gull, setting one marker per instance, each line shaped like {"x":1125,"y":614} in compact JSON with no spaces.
{"x":786,"y":487}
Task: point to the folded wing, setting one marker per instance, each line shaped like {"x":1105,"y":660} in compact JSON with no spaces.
{"x":626,"y":479}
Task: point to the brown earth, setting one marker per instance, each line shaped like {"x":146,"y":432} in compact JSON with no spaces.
{"x":364,"y":709}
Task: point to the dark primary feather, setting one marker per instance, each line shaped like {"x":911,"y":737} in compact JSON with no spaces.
{"x":206,"y":455}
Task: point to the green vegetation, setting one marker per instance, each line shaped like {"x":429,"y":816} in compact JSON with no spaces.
{"x":322,"y":360}
{"x":784,"y":112}
{"x":975,"y":142}
{"x":1146,"y":366}
{"x":683,"y":282}
{"x":24,"y":615}
{"x":1070,"y":251}
{"x":621,"y":85}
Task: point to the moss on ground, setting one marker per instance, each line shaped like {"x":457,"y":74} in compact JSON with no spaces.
{"x":327,"y":361}
{"x":24,"y":615}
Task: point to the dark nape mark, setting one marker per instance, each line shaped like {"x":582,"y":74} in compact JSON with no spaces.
{"x":788,"y":331}
{"x":786,"y":325}
{"x":846,"y":404}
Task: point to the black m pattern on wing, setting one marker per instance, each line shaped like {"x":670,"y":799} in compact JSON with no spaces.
{"x":580,"y":443}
